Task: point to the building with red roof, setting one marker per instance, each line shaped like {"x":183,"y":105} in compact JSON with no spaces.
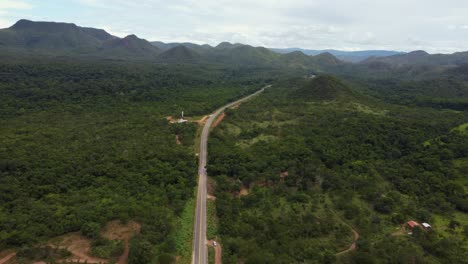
{"x":412,"y":224}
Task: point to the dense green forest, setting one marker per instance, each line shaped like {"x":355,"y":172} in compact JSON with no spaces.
{"x":297,"y":169}
{"x":86,"y":142}
{"x":300,"y":166}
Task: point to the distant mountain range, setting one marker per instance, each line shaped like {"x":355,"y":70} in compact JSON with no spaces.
{"x":65,"y":39}
{"x":349,"y":56}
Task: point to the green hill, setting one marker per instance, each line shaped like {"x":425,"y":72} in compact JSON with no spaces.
{"x":323,"y":88}
{"x":178,"y":54}
{"x":129,"y":46}
{"x":51,"y":36}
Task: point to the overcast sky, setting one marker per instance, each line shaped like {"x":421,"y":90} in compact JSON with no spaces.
{"x":433,"y":25}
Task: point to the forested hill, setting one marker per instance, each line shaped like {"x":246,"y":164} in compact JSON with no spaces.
{"x":323,"y":88}
{"x":293,"y":183}
{"x":87,"y":143}
{"x":29,"y":38}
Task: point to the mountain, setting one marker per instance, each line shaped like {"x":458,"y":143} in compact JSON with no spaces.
{"x":323,"y":88}
{"x":326,"y":59}
{"x":131,"y":45}
{"x":178,"y":54}
{"x":69,"y":39}
{"x":51,"y":36}
{"x":348,"y":56}
{"x":421,"y":57}
{"x":66,"y":39}
{"x":166,"y":46}
{"x":227,"y":45}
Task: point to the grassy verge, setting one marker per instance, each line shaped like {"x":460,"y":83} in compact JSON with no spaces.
{"x":211,"y":255}
{"x":184,"y":235}
{"x":212,"y":220}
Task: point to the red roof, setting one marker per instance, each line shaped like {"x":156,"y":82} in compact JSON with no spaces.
{"x":412,"y":224}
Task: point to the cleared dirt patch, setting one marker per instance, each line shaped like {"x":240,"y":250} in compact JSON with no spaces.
{"x":211,"y":186}
{"x":177,"y":140}
{"x":219,"y":119}
{"x":6,"y":256}
{"x":243,"y":191}
{"x":115,"y":230}
{"x":202,"y":121}
{"x":78,"y":245}
{"x":218,"y":251}
{"x":283,"y":175}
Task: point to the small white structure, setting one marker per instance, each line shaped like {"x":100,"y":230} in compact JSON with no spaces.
{"x":426,"y":225}
{"x":182,"y":120}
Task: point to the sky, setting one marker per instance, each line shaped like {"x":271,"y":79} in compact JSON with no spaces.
{"x":404,"y":25}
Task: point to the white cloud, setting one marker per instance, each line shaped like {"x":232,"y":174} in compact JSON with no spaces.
{"x":13,"y":4}
{"x":315,"y":24}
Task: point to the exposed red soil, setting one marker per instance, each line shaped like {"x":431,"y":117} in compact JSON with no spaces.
{"x":6,"y":256}
{"x":243,"y":191}
{"x":352,"y":246}
{"x":219,"y":119}
{"x":202,"y":121}
{"x":115,"y":230}
{"x":283,"y":175}
{"x":210,"y":187}
{"x":218,"y":251}
{"x":79,"y":246}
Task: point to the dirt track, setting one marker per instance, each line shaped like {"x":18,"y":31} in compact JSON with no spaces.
{"x":218,"y":251}
{"x":220,"y":118}
{"x":7,"y":257}
{"x":353,"y":245}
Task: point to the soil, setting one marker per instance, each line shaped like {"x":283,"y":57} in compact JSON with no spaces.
{"x":210,"y":197}
{"x":6,"y":256}
{"x":177,"y":140}
{"x":218,"y":251}
{"x":211,"y":186}
{"x":243,"y":191}
{"x":283,"y":175}
{"x":202,"y":121}
{"x":115,"y":230}
{"x":220,"y":118}
{"x":352,"y":247}
{"x":79,"y":246}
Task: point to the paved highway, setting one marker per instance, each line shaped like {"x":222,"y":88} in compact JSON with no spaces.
{"x":200,"y":250}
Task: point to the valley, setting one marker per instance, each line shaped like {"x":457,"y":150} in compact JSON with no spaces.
{"x":109,"y":153}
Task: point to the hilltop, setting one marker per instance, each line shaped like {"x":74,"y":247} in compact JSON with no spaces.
{"x":323,"y":88}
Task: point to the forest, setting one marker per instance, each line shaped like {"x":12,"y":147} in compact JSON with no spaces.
{"x":296,"y":173}
{"x":87,"y":142}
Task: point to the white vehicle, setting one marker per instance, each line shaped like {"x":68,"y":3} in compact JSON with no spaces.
{"x":214,"y":243}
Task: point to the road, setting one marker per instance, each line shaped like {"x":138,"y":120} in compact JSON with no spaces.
{"x":200,"y":250}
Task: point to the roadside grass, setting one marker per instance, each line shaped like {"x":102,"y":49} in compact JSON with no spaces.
{"x":211,"y":255}
{"x":463,"y":128}
{"x":196,"y":146}
{"x":368,"y":110}
{"x":184,"y":234}
{"x":212,"y":219}
{"x":262,"y":137}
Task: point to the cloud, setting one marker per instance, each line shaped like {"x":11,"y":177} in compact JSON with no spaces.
{"x":315,"y":24}
{"x":13,"y":4}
